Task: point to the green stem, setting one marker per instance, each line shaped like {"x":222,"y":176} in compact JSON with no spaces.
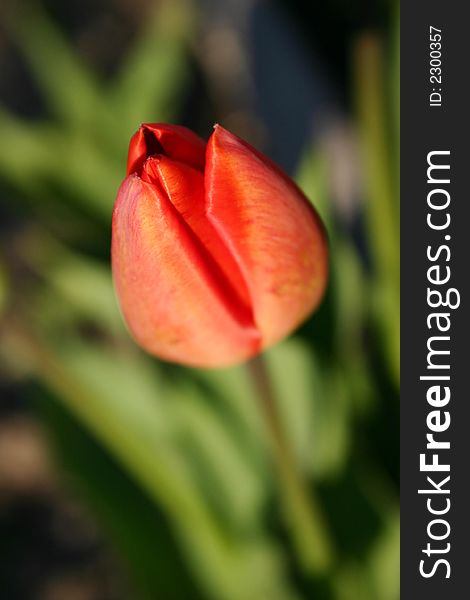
{"x":301,"y":510}
{"x":381,"y":188}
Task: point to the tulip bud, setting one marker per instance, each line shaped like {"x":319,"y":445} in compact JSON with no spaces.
{"x":216,"y":253}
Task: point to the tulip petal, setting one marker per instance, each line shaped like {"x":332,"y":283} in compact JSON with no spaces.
{"x":184,"y":187}
{"x":271,"y":230}
{"x":170,"y":297}
{"x":172,"y":141}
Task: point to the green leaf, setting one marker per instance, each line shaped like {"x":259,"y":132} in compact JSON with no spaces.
{"x":312,"y":178}
{"x":39,"y":159}
{"x":132,"y":522}
{"x":29,"y":155}
{"x":212,"y":449}
{"x":382,"y":206}
{"x":121,"y":400}
{"x":69,"y":87}
{"x":385,"y":561}
{"x":150,"y":83}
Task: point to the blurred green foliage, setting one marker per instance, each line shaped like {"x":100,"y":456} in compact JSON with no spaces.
{"x":176,"y":462}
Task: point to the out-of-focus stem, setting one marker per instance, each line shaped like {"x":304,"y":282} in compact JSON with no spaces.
{"x":381,"y":187}
{"x":302,"y":514}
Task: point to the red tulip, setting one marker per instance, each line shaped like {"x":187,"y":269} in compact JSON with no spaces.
{"x":216,"y":253}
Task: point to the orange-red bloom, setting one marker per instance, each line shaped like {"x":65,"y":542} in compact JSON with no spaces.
{"x":216,"y":253}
